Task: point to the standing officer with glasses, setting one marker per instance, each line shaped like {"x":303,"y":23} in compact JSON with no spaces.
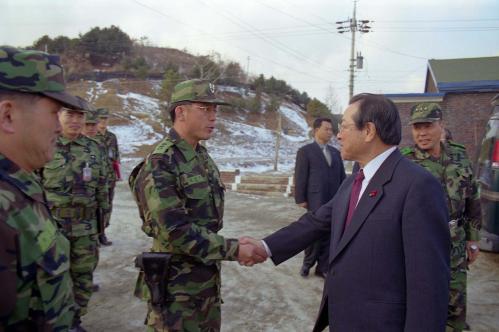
{"x":180,"y":196}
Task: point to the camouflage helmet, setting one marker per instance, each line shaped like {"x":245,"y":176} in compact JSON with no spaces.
{"x":34,"y":72}
{"x":103,"y":113}
{"x":193,"y":91}
{"x":425,"y":112}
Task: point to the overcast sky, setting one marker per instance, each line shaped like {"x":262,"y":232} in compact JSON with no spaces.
{"x":294,"y":40}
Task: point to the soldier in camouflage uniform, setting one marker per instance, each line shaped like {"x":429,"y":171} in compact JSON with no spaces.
{"x":181,"y":198}
{"x":111,"y":144}
{"x":35,"y":283}
{"x":76,"y":189}
{"x":449,"y":163}
{"x":91,"y":131}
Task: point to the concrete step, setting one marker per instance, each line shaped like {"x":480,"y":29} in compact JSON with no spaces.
{"x":262,"y":187}
{"x":262,"y":193}
{"x":267,"y":179}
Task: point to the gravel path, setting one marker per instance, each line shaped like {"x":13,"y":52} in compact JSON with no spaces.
{"x":261,"y":298}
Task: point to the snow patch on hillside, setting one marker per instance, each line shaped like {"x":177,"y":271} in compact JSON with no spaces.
{"x":132,"y":137}
{"x":239,"y":145}
{"x":141,"y":103}
{"x":294,"y":115}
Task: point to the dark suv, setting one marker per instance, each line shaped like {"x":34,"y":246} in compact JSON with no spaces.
{"x":488,"y":179}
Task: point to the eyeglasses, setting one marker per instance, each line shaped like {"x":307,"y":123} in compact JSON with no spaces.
{"x":342,"y":126}
{"x":209,"y":108}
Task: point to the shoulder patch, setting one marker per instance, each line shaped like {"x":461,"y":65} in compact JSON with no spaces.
{"x":163,"y":146}
{"x":406,"y":150}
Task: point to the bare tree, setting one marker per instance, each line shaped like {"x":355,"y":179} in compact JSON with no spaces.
{"x":332,"y":102}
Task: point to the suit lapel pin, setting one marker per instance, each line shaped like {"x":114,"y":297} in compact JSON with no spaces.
{"x":373,"y":193}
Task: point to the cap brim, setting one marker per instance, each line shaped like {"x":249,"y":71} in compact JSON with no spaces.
{"x":425,"y":120}
{"x":66,"y":99}
{"x":211,"y":101}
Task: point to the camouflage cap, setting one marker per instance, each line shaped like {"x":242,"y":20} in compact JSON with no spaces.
{"x":92,"y":116}
{"x":34,"y":72}
{"x":103,"y":112}
{"x":425,"y":112}
{"x":83,"y":105}
{"x":195,"y":90}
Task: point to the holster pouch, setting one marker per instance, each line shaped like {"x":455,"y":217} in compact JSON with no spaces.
{"x":155,"y":266}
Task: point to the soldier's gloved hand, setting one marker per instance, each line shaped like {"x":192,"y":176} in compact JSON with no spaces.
{"x":251,"y":251}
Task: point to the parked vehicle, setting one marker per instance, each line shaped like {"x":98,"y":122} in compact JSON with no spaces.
{"x":488,"y":178}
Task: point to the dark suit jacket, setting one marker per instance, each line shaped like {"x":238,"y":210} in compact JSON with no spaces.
{"x":315,"y":181}
{"x":389,"y":271}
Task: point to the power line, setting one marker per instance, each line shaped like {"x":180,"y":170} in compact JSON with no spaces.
{"x":256,"y":55}
{"x":257,"y":33}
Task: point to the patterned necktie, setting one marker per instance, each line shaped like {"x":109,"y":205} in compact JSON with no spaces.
{"x":354,"y":196}
{"x":327,"y":155}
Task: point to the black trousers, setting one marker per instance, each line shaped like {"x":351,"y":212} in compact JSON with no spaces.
{"x":317,"y":252}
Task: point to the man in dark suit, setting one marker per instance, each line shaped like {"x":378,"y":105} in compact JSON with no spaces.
{"x":319,"y":172}
{"x":389,"y":255}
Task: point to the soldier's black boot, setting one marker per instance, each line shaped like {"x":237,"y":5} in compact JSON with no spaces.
{"x":104,"y":241}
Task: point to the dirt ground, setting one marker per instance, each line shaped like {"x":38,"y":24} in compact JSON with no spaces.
{"x":261,"y":298}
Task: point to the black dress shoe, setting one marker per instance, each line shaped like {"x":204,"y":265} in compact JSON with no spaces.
{"x":104,"y":241}
{"x":95,"y":288}
{"x":321,"y":274}
{"x":304,"y":271}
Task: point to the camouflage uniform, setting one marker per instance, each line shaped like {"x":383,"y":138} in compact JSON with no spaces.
{"x":181,"y":197}
{"x":455,"y":172}
{"x":76,"y":189}
{"x":110,"y":142}
{"x":31,"y":246}
{"x":35,"y":284}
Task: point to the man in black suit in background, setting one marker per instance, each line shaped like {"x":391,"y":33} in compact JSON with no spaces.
{"x":319,"y":172}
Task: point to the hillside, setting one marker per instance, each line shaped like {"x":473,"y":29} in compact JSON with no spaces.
{"x":244,"y":139}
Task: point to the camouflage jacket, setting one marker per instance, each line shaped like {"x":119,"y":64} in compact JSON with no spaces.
{"x":75,"y":185}
{"x":111,"y":143}
{"x":36,"y":288}
{"x":180,"y":197}
{"x":109,"y":173}
{"x":455,"y":172}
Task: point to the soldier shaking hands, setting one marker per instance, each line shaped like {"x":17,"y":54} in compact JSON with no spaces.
{"x":181,"y":202}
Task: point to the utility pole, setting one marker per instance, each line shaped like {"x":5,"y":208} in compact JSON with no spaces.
{"x":247,"y":70}
{"x":352,"y":25}
{"x":278,"y":133}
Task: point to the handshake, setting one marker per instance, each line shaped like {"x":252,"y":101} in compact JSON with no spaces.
{"x":251,"y":251}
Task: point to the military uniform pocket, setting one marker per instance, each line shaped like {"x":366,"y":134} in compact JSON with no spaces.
{"x":52,"y":177}
{"x":195,"y":186}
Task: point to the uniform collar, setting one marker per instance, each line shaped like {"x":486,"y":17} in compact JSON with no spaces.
{"x":65,"y":141}
{"x":185,"y":148}
{"x":25,"y":181}
{"x":422,"y":154}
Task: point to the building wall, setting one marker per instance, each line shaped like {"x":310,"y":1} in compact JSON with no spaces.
{"x":430,"y":83}
{"x":465,"y":115}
